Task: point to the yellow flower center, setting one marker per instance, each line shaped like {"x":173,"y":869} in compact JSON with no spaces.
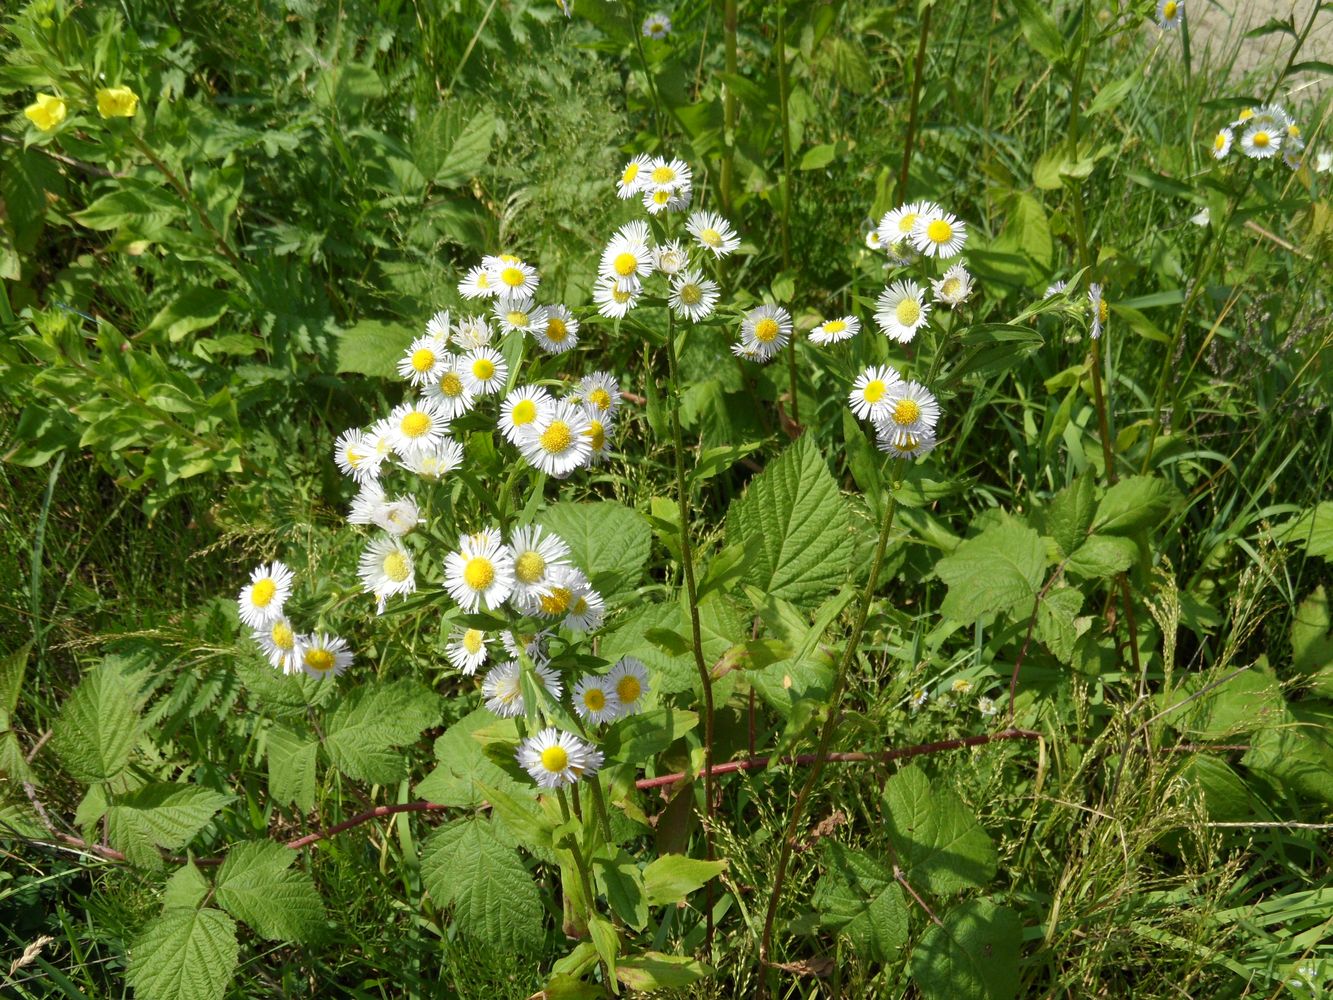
{"x":555,"y":759}
{"x":1262,"y":139}
{"x":508,"y":258}
{"x":513,"y":277}
{"x":951,"y":287}
{"x":451,"y":385}
{"x":594,"y":699}
{"x":1220,"y":140}
{"x":939,"y":231}
{"x":766,"y":330}
{"x":416,"y":423}
{"x":663,"y":175}
{"x":1294,"y":131}
{"x":596,"y":434}
{"x":691,"y":295}
{"x":396,"y":567}
{"x":319,"y":659}
{"x":631,"y":172}
{"x":906,"y":412}
{"x":556,"y":331}
{"x":557,"y":601}
{"x":556,"y":438}
{"x":874,"y":391}
{"x":1246,"y":115}
{"x":621,"y":297}
{"x":1169,"y":9}
{"x":907,"y":223}
{"x":483,"y":281}
{"x":529,"y":567}
{"x":524,"y":412}
{"x":478,"y":573}
{"x":472,"y":640}
{"x":517,"y":317}
{"x":261,"y":594}
{"x":580,"y":606}
{"x":423,"y":359}
{"x":835,"y":326}
{"x":600,"y":398}
{"x":282,"y":635}
{"x":711,"y":237}
{"x":354,"y":458}
{"x":908,"y":312}
{"x":661,"y":197}
{"x":483,"y":369}
{"x":626,"y":264}
{"x":628,"y":689}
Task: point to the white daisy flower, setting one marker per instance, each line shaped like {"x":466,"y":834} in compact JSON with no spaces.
{"x":1222,"y":143}
{"x":960,"y":686}
{"x":556,"y":443}
{"x":901,"y":310}
{"x":667,"y":199}
{"x":563,"y":583}
{"x":1293,"y":151}
{"x":503,"y":693}
{"x":367,"y":503}
{"x":911,"y":410}
{"x":587,"y":610}
{"x":417,"y":424}
{"x":670,"y":258}
{"x":919,"y":698}
{"x":536,"y":553}
{"x":261,"y":600}
{"x":281,"y":644}
{"x":901,"y":254}
{"x":765,"y":331}
{"x":1055,"y":288}
{"x":560,"y":333}
{"x":1170,"y":13}
{"x":612,"y":301}
{"x":897,"y":225}
{"x":986,"y":706}
{"x":532,"y":645}
{"x":1100,"y":311}
{"x":667,"y":175}
{"x":324,"y":655}
{"x":600,"y":391}
{"x":595,"y":700}
{"x":939,"y":234}
{"x":713,"y":233}
{"x":483,"y":370}
{"x":693,"y":295}
{"x":1323,"y":161}
{"x":633,"y":176}
{"x":899,"y":445}
{"x":627,"y":262}
{"x":521,"y":410}
{"x":472,"y":331}
{"x":435,"y":461}
{"x":554,"y":758}
{"x":515,"y":280}
{"x":629,"y":680}
{"x":425,"y":359}
{"x":386,"y":568}
{"x":598,"y":434}
{"x":519,"y":314}
{"x":438,"y":326}
{"x":1260,"y":142}
{"x":356,"y":456}
{"x":452,"y":395}
{"x":656,"y":26}
{"x":477,"y":284}
{"x":833,"y":331}
{"x":398,"y":516}
{"x":381,"y":435}
{"x":870,"y":392}
{"x":954,"y":288}
{"x":467,"y":649}
{"x":1272,"y":116}
{"x":873,"y":241}
{"x":480,"y":573}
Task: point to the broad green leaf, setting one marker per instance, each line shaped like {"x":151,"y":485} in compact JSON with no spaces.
{"x":1313,"y":529}
{"x":161,"y":814}
{"x":143,"y":209}
{"x":622,"y":883}
{"x":795,"y":511}
{"x":1027,"y":237}
{"x":1057,"y":628}
{"x":463,"y":767}
{"x":257,"y":884}
{"x":563,"y":986}
{"x":1068,"y":516}
{"x":197,"y":308}
{"x":609,"y":541}
{"x":1296,"y":753}
{"x":521,"y":815}
{"x":818,"y":156}
{"x":604,"y":939}
{"x":373,"y":347}
{"x":860,"y":896}
{"x":1102,"y":556}
{"x":469,"y":152}
{"x":998,"y":570}
{"x":1110,"y":96}
{"x":637,"y":738}
{"x":939,"y":843}
{"x":184,"y":954}
{"x":187,"y":888}
{"x":974,"y":954}
{"x":372,"y":721}
{"x":1312,"y":643}
{"x":97,"y":727}
{"x":1039,"y":29}
{"x":291,"y":767}
{"x":672,"y":877}
{"x":654,"y":971}
{"x":465,"y":865}
{"x":993,"y":347}
{"x":1134,"y":503}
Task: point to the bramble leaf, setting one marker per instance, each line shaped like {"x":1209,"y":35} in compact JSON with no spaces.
{"x":998,"y":570}
{"x":97,"y":727}
{"x":860,"y":896}
{"x":939,"y":842}
{"x":184,"y":954}
{"x":974,"y":954}
{"x":365,"y":730}
{"x":257,"y":884}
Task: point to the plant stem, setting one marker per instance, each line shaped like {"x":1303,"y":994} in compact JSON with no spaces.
{"x":830,"y":723}
{"x":648,"y":78}
{"x":585,"y":879}
{"x":729,"y":19}
{"x":223,"y":247}
{"x":914,"y":106}
{"x":696,"y":631}
{"x":599,"y":803}
{"x":784,"y":95}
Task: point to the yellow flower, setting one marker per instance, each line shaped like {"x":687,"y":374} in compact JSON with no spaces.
{"x":117,"y":102}
{"x":47,"y":112}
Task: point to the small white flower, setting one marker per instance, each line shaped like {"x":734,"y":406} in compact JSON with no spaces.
{"x":599,"y":391}
{"x":261,"y":600}
{"x":1170,"y":13}
{"x":595,"y":700}
{"x":386,"y":568}
{"x":1055,"y":288}
{"x":670,"y":258}
{"x":536,"y":554}
{"x":902,"y":310}
{"x":480,"y":573}
{"x":399,"y":516}
{"x":834,"y":331}
{"x":522,"y":408}
{"x":513,"y":280}
{"x":919,"y":698}
{"x":667,"y":175}
{"x":556,"y":443}
{"x":324,"y":655}
{"x":910,"y":409}
{"x":656,"y":26}
{"x":438,"y":326}
{"x":938,"y":234}
{"x":897,"y":225}
{"x":1293,"y":153}
{"x":658,"y":200}
{"x":417,"y":424}
{"x":452,"y":395}
{"x":560,"y":333}
{"x":870,"y":396}
{"x":873,"y":241}
{"x":435,"y":461}
{"x":633,"y":176}
{"x":693,"y":295}
{"x":954,"y":288}
{"x":563,"y":582}
{"x":1260,"y":142}
{"x":472,"y":331}
{"x":903,"y":445}
{"x":627,"y":262}
{"x":986,"y":706}
{"x":425,"y":359}
{"x":502,"y":690}
{"x":765,"y":331}
{"x":519,"y":314}
{"x":1100,"y":312}
{"x":587,"y":610}
{"x":467,"y":649}
{"x":1222,"y":143}
{"x":483,"y":370}
{"x":713,"y":233}
{"x":533,"y":645}
{"x":629,"y":680}
{"x":476,"y":284}
{"x":612,"y":301}
{"x":356,"y":456}
{"x":281,"y":644}
{"x":556,"y":759}
{"x":600,"y":429}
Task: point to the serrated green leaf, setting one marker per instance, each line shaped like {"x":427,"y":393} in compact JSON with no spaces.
{"x":366,"y":729}
{"x":521,"y":815}
{"x":940,"y":845}
{"x":608,"y":541}
{"x":1134,"y":503}
{"x":13,"y":766}
{"x":463,"y":767}
{"x":186,"y":888}
{"x":196,"y":308}
{"x":672,"y":877}
{"x":654,"y":971}
{"x":257,"y":884}
{"x":801,"y":522}
{"x":1313,"y":529}
{"x":1057,"y":628}
{"x":373,"y":347}
{"x":1102,"y":556}
{"x":998,"y":570}
{"x":495,"y":901}
{"x":858,"y":895}
{"x":1068,"y":516}
{"x":291,"y":767}
{"x":184,"y":954}
{"x":97,"y":728}
{"x":974,"y":954}
{"x":469,"y":152}
{"x":161,"y":814}
{"x":1312,"y":643}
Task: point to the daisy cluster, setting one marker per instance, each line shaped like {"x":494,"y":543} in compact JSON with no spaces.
{"x":261,"y":603}
{"x":1264,"y":132}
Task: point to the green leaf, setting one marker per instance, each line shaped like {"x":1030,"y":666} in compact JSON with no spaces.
{"x":1134,"y":503}
{"x":939,"y":843}
{"x":1110,"y":97}
{"x":161,"y":814}
{"x":184,"y":954}
{"x":605,"y":940}
{"x":622,"y":882}
{"x":257,"y":884}
{"x":1068,"y":516}
{"x":801,"y":522}
{"x":464,"y":768}
{"x":12,"y":667}
{"x":521,"y":816}
{"x":1296,"y":753}
{"x":672,"y":877}
{"x":365,"y":729}
{"x":143,"y":209}
{"x":1039,"y":29}
{"x":1102,"y":556}
{"x":998,"y":570}
{"x":186,"y":888}
{"x":197,"y":308}
{"x":974,"y":954}
{"x":495,"y":901}
{"x":860,"y":896}
{"x":97,"y":727}
{"x":818,"y":156}
{"x":638,"y":738}
{"x":373,"y":347}
{"x":291,"y":767}
{"x":1312,"y":643}
{"x":1313,"y":529}
{"x":654,"y":971}
{"x":469,"y":152}
{"x":1057,"y":628}
{"x":609,"y":541}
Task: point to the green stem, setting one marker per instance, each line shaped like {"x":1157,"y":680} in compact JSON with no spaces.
{"x":830,"y":723}
{"x":585,"y":879}
{"x":648,"y":74}
{"x":223,"y":247}
{"x":914,"y":105}
{"x":603,"y":814}
{"x":784,"y":95}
